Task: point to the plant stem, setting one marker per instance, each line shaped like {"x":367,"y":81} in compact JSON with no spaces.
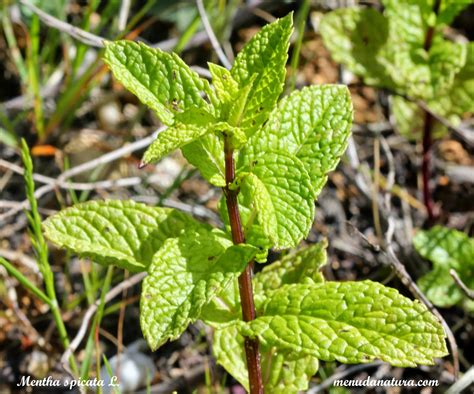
{"x":426,"y":164}
{"x":431,"y":29}
{"x":427,"y":128}
{"x":245,"y":279}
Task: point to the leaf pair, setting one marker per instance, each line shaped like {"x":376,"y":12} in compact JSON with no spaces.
{"x":283,"y":372}
{"x":193,"y":272}
{"x":187,"y":261}
{"x":243,"y":97}
{"x":302,"y":318}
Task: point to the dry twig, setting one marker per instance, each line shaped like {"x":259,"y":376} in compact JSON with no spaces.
{"x":466,"y":380}
{"x":459,"y":283}
{"x":112,"y":293}
{"x":212,"y":37}
{"x":79,"y":34}
{"x":107,"y":158}
{"x":24,"y":259}
{"x":123,"y":14}
{"x":108,"y":184}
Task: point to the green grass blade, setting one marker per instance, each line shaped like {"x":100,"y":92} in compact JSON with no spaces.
{"x":41,"y":248}
{"x":13,"y":46}
{"x":33,"y":74}
{"x":187,"y":34}
{"x":295,"y":57}
{"x":24,"y":281}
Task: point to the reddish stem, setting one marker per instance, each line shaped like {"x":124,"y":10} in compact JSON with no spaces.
{"x":426,"y":166}
{"x":245,"y":279}
{"x":427,"y":140}
{"x":431,"y":29}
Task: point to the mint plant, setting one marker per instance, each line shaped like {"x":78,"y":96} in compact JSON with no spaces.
{"x":271,"y":159}
{"x":447,"y":249}
{"x":404,"y":50}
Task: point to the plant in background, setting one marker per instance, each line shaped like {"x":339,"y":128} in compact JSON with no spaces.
{"x":448,"y":250}
{"x":404,"y":50}
{"x":271,"y":160}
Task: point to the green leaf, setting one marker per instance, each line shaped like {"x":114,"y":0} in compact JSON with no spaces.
{"x":188,"y":127}
{"x":312,"y":124}
{"x":296,"y":267}
{"x":240,"y":102}
{"x":184,"y":276}
{"x":409,"y":119}
{"x":161,"y":80}
{"x":447,"y":249}
{"x":224,"y":308}
{"x":446,"y":59}
{"x":351,"y":322}
{"x":356,"y":38}
{"x":207,"y":154}
{"x":439,"y":287}
{"x":285,"y":374}
{"x":279,"y":189}
{"x":253,"y":232}
{"x":460,"y":98}
{"x":463,"y":87}
{"x":449,"y":9}
{"x":123,"y":233}
{"x":410,"y":19}
{"x":263,"y":58}
{"x":228,"y":349}
{"x":281,"y":373}
{"x":222,"y":80}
